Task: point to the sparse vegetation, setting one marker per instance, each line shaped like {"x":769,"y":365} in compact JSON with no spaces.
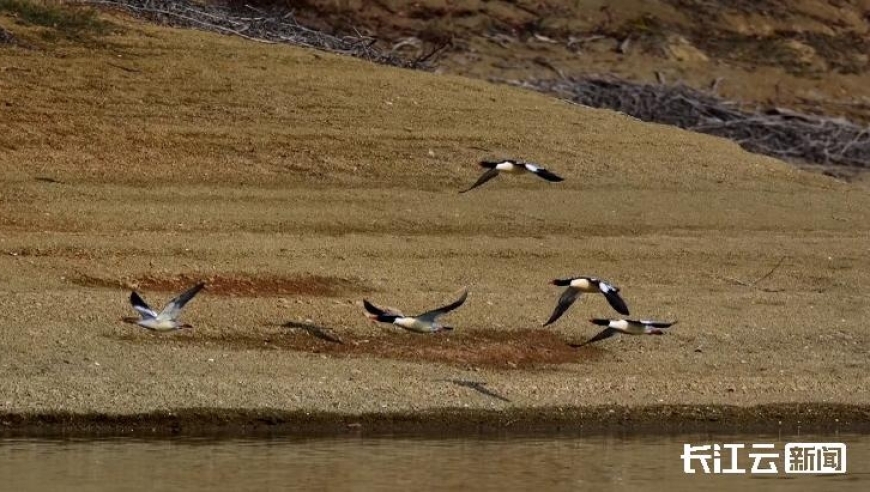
{"x":64,"y":21}
{"x":6,"y":37}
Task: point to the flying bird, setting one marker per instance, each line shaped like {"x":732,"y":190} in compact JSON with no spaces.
{"x":423,"y":323}
{"x":512,"y":167}
{"x":167,"y":319}
{"x":627,"y":326}
{"x":579,"y":285}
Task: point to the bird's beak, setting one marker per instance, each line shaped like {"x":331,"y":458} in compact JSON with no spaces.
{"x":130,"y":319}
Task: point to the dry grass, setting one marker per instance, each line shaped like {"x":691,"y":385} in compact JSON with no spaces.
{"x":146,"y":109}
{"x":163,"y":153}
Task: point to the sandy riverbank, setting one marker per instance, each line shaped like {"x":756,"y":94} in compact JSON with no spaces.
{"x":297,"y":183}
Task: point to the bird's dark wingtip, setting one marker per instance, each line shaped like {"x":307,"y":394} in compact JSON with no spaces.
{"x":552,"y":320}
{"x":617,"y":302}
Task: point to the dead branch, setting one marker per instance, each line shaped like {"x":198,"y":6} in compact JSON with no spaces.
{"x":769,"y":273}
{"x":780,"y":133}
{"x":264,"y":26}
{"x":433,"y":54}
{"x":756,"y":281}
{"x":122,"y":67}
{"x":540,"y":60}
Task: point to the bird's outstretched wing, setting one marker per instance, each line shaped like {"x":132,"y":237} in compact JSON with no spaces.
{"x":612,"y":295}
{"x":605,"y":333}
{"x":488,"y":175}
{"x":141,"y":306}
{"x":372,"y":309}
{"x":568,"y":297}
{"x":431,"y":315}
{"x":174,"y":307}
{"x":376,"y":311}
{"x":544,"y":174}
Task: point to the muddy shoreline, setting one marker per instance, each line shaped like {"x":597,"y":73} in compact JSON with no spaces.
{"x":446,"y":422}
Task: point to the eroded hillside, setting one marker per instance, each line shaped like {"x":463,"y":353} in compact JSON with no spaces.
{"x":810,"y":55}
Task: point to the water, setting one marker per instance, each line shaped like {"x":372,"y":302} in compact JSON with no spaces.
{"x":399,"y":463}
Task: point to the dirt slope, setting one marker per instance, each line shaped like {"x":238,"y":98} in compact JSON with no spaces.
{"x":298,"y":183}
{"x":810,"y":55}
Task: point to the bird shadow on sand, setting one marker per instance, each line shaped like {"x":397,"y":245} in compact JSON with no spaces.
{"x":485,"y":348}
{"x":314,"y":330}
{"x":478,"y":386}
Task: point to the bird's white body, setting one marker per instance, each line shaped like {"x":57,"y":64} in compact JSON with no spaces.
{"x":510,"y":167}
{"x":629,"y":328}
{"x":577,"y":286}
{"x":158,"y":324}
{"x":424,"y":323}
{"x":584,"y":285}
{"x":166,"y":319}
{"x":418,"y":325}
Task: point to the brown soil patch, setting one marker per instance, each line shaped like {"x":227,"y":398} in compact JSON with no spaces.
{"x":521,"y":349}
{"x":235,"y":285}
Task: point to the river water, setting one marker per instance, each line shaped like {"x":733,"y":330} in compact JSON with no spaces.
{"x":496,"y":463}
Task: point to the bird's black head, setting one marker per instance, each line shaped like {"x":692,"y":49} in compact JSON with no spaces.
{"x":599,"y":321}
{"x":562,"y":282}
